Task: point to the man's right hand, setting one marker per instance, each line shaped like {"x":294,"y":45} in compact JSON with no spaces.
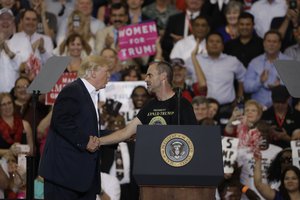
{"x":93,"y":144}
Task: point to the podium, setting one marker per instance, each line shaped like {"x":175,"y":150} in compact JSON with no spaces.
{"x":178,"y":162}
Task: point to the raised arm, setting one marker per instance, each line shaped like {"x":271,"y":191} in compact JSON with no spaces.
{"x":198,"y":69}
{"x":264,"y":189}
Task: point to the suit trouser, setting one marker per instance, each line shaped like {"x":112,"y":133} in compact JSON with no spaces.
{"x":54,"y":191}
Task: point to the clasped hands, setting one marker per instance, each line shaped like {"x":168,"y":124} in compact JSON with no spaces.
{"x":93,"y":144}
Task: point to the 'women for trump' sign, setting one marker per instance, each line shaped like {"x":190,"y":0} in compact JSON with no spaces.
{"x":137,"y":40}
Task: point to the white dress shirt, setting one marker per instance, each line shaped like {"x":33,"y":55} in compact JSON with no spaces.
{"x":184,"y":47}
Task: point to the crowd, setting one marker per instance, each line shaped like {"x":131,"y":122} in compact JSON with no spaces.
{"x":222,"y":54}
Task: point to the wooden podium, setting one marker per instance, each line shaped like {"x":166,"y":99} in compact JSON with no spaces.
{"x":163,"y":179}
{"x":177,"y":193}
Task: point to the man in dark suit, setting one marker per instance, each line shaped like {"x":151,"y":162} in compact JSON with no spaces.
{"x":70,"y":162}
{"x":178,"y":25}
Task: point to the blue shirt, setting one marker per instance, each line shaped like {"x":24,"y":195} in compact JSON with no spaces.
{"x":220,"y":74}
{"x":252,"y":84}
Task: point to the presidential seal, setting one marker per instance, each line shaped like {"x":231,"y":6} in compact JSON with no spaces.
{"x":177,"y":150}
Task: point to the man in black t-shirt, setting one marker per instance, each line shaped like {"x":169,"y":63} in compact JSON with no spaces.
{"x":282,"y":117}
{"x":162,"y":110}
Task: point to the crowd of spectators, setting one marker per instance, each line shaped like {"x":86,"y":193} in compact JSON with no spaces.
{"x":222,"y":54}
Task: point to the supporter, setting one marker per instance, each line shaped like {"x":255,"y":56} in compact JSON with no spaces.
{"x":24,"y":105}
{"x":115,"y":66}
{"x":220,"y":70}
{"x":76,"y":47}
{"x":15,"y":177}
{"x":10,"y":4}
{"x":242,"y":123}
{"x":46,"y":21}
{"x":294,"y":50}
{"x":264,"y":11}
{"x":200,"y":107}
{"x":232,"y":188}
{"x":10,"y":58}
{"x":213,"y":108}
{"x":135,"y":12}
{"x":248,"y":45}
{"x":160,"y":11}
{"x":139,"y":97}
{"x":85,"y":7}
{"x":103,"y":13}
{"x":282,"y":160}
{"x":77,"y":23}
{"x":246,"y":156}
{"x":108,"y":37}
{"x":232,"y":12}
{"x":178,"y":25}
{"x":261,"y":75}
{"x":12,"y":128}
{"x":289,"y":188}
{"x":131,"y":73}
{"x":34,"y":47}
{"x":282,"y":117}
{"x":182,"y":49}
{"x":287,"y":22}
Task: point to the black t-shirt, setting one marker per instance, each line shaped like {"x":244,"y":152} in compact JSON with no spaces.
{"x":245,"y":52}
{"x":166,"y":112}
{"x":290,"y":123}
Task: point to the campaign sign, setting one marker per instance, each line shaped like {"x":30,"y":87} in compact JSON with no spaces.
{"x":64,"y":79}
{"x":295,"y":145}
{"x":137,"y":40}
{"x":121,"y":91}
{"x":229,"y":150}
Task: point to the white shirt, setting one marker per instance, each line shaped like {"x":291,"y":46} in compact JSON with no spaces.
{"x":220,"y":74}
{"x":184,"y":47}
{"x":264,"y":12}
{"x":94,"y":95}
{"x":9,"y":68}
{"x":187,"y":21}
{"x":111,"y":186}
{"x":22,"y":42}
{"x":246,"y":160}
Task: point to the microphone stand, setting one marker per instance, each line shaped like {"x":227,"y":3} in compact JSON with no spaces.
{"x":31,"y":159}
{"x":179,"y":90}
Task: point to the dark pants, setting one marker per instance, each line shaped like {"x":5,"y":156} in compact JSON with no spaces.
{"x":53,"y":191}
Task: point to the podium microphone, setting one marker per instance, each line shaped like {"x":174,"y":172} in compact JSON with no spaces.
{"x":179,"y":92}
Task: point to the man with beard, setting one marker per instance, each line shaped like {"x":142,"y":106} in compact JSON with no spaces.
{"x":161,"y":110}
{"x":108,"y":37}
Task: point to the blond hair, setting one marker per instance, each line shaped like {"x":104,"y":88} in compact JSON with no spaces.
{"x":256,"y":104}
{"x":91,"y":63}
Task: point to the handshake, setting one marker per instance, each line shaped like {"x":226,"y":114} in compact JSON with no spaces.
{"x":93,"y":144}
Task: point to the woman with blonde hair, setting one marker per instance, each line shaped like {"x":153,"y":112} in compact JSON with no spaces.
{"x":77,"y":23}
{"x":242,"y":123}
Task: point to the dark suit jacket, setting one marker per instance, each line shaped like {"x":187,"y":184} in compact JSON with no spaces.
{"x":65,"y":160}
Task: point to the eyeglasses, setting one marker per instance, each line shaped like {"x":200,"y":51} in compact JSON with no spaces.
{"x":6,"y":104}
{"x":286,"y":160}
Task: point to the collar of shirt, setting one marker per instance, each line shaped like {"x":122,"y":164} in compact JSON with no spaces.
{"x":91,"y":89}
{"x":195,"y":14}
{"x":220,"y":3}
